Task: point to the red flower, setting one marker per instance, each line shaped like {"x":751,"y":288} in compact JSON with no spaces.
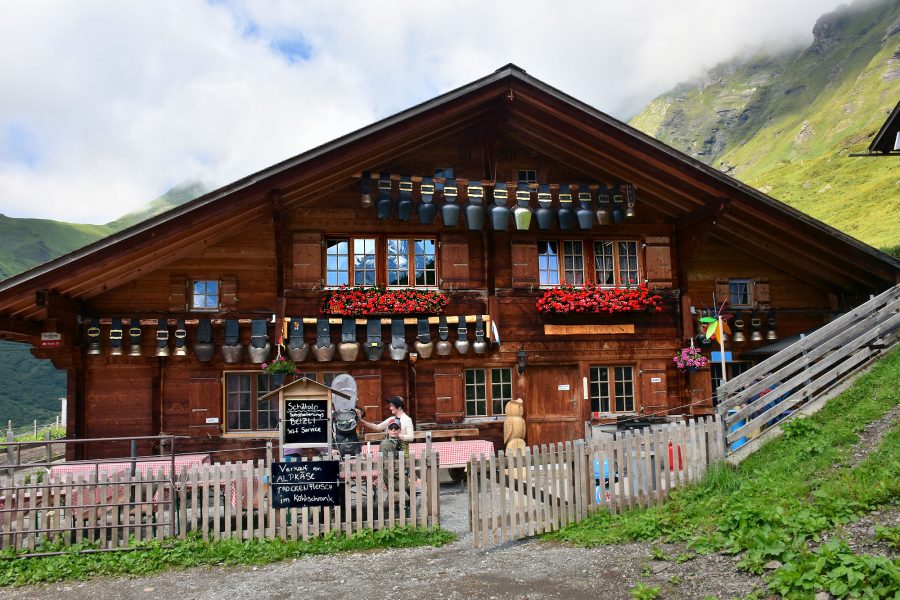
{"x":365,"y":301}
{"x":592,"y":298}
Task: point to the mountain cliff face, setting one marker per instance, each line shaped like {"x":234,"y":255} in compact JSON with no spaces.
{"x":787,"y":123}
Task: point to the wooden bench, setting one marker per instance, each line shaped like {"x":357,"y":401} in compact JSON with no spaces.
{"x":443,"y":435}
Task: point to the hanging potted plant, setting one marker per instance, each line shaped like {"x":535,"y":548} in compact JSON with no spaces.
{"x":690,"y":359}
{"x":279,"y":369}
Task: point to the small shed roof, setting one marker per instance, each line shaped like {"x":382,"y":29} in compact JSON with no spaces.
{"x":887,"y":140}
{"x":305,"y":381}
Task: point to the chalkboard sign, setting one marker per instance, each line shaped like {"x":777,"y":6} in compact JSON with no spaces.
{"x":306,"y":423}
{"x":310,"y":483}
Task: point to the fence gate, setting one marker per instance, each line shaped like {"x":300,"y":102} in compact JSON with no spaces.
{"x":539,"y":489}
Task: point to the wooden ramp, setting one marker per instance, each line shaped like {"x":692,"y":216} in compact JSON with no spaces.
{"x":800,"y":378}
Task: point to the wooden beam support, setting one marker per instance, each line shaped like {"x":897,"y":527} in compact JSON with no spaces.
{"x":59,"y":306}
{"x":18,"y":329}
{"x":692,"y":229}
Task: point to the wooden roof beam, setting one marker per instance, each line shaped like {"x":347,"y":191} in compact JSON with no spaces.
{"x":59,"y":306}
{"x":635,"y":173}
{"x":18,"y":329}
{"x":628,"y":144}
{"x":565,"y":156}
{"x":303,"y":194}
{"x":692,"y":229}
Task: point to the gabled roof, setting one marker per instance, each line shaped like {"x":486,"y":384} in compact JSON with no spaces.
{"x":531,"y":112}
{"x":888,"y":137}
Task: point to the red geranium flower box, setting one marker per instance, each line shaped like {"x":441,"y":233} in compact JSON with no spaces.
{"x":595,"y":299}
{"x":359,"y":301}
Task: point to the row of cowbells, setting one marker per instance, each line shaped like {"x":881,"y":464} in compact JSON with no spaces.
{"x":298,"y":350}
{"x":739,"y":327}
{"x":606,"y":204}
{"x":373,"y":346}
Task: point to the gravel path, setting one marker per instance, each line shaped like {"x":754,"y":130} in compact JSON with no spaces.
{"x":527,"y":569}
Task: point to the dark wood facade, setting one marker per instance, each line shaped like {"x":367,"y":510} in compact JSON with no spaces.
{"x":263,"y":240}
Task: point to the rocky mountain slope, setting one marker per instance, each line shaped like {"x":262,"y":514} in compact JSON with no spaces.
{"x":787,"y":123}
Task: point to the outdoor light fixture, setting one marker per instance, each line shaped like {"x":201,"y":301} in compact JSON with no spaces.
{"x":521,"y":360}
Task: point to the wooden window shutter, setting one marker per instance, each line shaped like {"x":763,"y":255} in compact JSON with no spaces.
{"x":454,"y":252}
{"x":368,"y":393}
{"x":307,"y":261}
{"x":654,"y":393}
{"x":228,"y":300}
{"x":523,"y":257}
{"x":761,"y":296}
{"x":723,"y":291}
{"x":205,"y":401}
{"x":658,"y":262}
{"x":448,"y":391}
{"x":178,"y":286}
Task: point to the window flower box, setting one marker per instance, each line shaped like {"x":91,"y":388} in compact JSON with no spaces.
{"x":593,"y":299}
{"x":360,"y":301}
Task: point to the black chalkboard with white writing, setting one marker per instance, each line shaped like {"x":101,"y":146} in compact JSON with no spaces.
{"x":306,"y":422}
{"x":309,"y":483}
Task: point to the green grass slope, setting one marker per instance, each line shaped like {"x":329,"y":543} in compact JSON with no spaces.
{"x":30,"y":388}
{"x":779,"y":503}
{"x":787,"y":124}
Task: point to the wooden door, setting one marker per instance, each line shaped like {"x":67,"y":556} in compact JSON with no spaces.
{"x":553,"y":404}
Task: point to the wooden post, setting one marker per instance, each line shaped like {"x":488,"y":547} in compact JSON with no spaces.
{"x":49,"y":450}
{"x":721,"y":335}
{"x":10,"y":437}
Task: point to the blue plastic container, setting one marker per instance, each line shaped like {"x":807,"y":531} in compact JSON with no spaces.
{"x":737,"y":425}
{"x":598,"y":490}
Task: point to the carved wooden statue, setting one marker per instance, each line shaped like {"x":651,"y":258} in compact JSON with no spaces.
{"x":514,"y":426}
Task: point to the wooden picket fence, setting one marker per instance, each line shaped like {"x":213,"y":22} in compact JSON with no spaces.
{"x":221,"y":501}
{"x":539,"y":489}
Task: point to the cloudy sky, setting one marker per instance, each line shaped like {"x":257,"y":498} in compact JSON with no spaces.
{"x":107,"y":104}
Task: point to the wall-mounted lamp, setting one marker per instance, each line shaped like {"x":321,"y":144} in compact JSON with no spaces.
{"x":521,"y":360}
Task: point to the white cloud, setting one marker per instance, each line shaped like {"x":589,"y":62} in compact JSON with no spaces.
{"x":107,"y":104}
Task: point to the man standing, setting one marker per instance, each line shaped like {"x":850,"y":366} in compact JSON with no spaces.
{"x":397,"y":440}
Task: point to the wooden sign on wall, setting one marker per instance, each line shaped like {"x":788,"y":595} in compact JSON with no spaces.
{"x":587,"y":329}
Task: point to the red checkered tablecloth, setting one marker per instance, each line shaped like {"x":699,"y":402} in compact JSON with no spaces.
{"x":450,"y":453}
{"x":143,"y":466}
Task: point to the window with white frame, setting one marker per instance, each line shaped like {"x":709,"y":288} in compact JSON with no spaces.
{"x":350,"y":261}
{"x":205,"y":294}
{"x":411,"y":262}
{"x":739,"y":293}
{"x":487,"y":391}
{"x":612,"y":389}
{"x":616,"y":262}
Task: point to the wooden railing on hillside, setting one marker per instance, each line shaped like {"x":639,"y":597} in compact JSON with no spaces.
{"x":540,"y":489}
{"x":807,"y":370}
{"x":219,"y":501}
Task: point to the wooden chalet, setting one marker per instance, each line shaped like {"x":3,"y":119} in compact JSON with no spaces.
{"x":543,"y":190}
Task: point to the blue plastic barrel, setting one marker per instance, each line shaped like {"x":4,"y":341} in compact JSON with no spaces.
{"x":598,"y":490}
{"x":737,"y":425}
